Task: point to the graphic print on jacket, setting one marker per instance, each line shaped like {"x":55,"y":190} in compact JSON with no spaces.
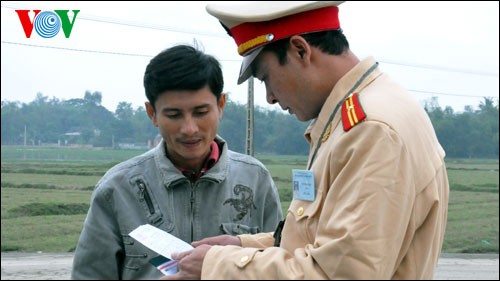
{"x":244,"y":203}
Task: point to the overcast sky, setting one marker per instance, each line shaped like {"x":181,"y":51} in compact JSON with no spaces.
{"x":447,"y":50}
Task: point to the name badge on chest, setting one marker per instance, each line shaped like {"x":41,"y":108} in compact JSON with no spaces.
{"x":303,"y":185}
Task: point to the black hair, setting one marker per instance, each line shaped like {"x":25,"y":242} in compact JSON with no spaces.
{"x":332,"y":42}
{"x":182,"y":67}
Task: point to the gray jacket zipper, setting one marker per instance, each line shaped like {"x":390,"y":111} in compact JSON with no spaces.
{"x":144,"y":195}
{"x":192,"y":212}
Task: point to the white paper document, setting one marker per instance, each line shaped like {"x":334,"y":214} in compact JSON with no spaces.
{"x":159,"y":241}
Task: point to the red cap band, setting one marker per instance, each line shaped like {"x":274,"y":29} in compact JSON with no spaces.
{"x":250,"y":35}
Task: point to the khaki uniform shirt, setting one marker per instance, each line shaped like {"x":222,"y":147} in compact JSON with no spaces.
{"x":381,"y":197}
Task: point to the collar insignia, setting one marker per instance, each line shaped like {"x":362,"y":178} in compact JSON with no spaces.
{"x":326,"y":135}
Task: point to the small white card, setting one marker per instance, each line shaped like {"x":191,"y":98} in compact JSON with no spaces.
{"x":159,"y":241}
{"x":303,"y":185}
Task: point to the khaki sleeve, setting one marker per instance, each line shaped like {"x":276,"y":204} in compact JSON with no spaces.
{"x":233,"y":262}
{"x":259,"y":240}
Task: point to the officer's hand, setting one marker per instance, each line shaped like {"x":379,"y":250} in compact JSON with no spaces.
{"x":189,"y":264}
{"x":218,"y":240}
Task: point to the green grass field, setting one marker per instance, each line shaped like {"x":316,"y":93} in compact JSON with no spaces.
{"x":45,"y":193}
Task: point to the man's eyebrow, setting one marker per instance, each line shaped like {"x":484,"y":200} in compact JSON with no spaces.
{"x":205,"y":105}
{"x":169,"y":109}
{"x":173,"y":109}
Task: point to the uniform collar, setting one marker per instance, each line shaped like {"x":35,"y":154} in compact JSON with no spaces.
{"x":314,"y":130}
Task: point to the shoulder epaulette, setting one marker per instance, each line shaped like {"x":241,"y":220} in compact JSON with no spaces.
{"x":352,"y":112}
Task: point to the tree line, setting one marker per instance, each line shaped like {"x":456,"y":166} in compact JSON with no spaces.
{"x":84,"y":121}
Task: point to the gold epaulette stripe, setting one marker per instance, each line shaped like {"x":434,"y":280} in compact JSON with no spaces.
{"x":352,"y":112}
{"x":353,"y":119}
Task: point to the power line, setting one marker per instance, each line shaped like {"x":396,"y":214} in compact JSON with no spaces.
{"x":172,"y":29}
{"x":76,"y":50}
{"x":150,"y":56}
{"x":213,"y":34}
{"x":442,"y":68}
{"x":448,"y":94}
{"x":152,"y":26}
{"x":138,"y":24}
{"x":89,"y":51}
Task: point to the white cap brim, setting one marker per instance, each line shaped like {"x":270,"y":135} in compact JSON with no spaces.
{"x":246,"y":69}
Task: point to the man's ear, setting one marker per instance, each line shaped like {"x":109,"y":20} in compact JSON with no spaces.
{"x":222,"y":103}
{"x":300,"y":48}
{"x":151,"y":113}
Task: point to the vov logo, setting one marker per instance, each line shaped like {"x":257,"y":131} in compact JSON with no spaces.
{"x":47,"y":23}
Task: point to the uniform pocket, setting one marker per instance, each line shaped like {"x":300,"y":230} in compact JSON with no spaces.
{"x":236,"y":228}
{"x":301,"y":209}
{"x":304,"y":217}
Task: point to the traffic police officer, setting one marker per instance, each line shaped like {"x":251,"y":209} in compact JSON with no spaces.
{"x":372,"y":201}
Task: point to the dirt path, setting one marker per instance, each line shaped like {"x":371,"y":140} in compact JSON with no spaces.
{"x":36,"y":266}
{"x":57,"y":266}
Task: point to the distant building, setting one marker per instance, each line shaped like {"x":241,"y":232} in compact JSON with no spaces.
{"x":73,"y":134}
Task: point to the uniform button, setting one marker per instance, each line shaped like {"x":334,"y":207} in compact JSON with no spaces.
{"x":300,"y":211}
{"x":244,"y":259}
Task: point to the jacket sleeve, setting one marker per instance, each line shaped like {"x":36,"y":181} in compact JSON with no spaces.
{"x":272,"y":208}
{"x":99,"y":248}
{"x":361,"y":222}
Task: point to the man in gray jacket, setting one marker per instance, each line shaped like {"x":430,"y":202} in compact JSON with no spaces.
{"x":190,"y":185}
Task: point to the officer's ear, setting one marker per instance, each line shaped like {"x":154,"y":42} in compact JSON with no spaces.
{"x":300,"y":49}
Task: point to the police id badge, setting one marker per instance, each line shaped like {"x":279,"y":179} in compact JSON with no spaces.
{"x":303,"y":185}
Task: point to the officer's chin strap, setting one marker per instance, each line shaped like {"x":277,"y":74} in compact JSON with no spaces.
{"x":277,"y":233}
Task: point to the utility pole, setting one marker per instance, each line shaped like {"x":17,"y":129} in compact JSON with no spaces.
{"x":249,"y":139}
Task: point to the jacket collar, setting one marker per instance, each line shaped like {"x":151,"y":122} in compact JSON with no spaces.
{"x":171,"y":175}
